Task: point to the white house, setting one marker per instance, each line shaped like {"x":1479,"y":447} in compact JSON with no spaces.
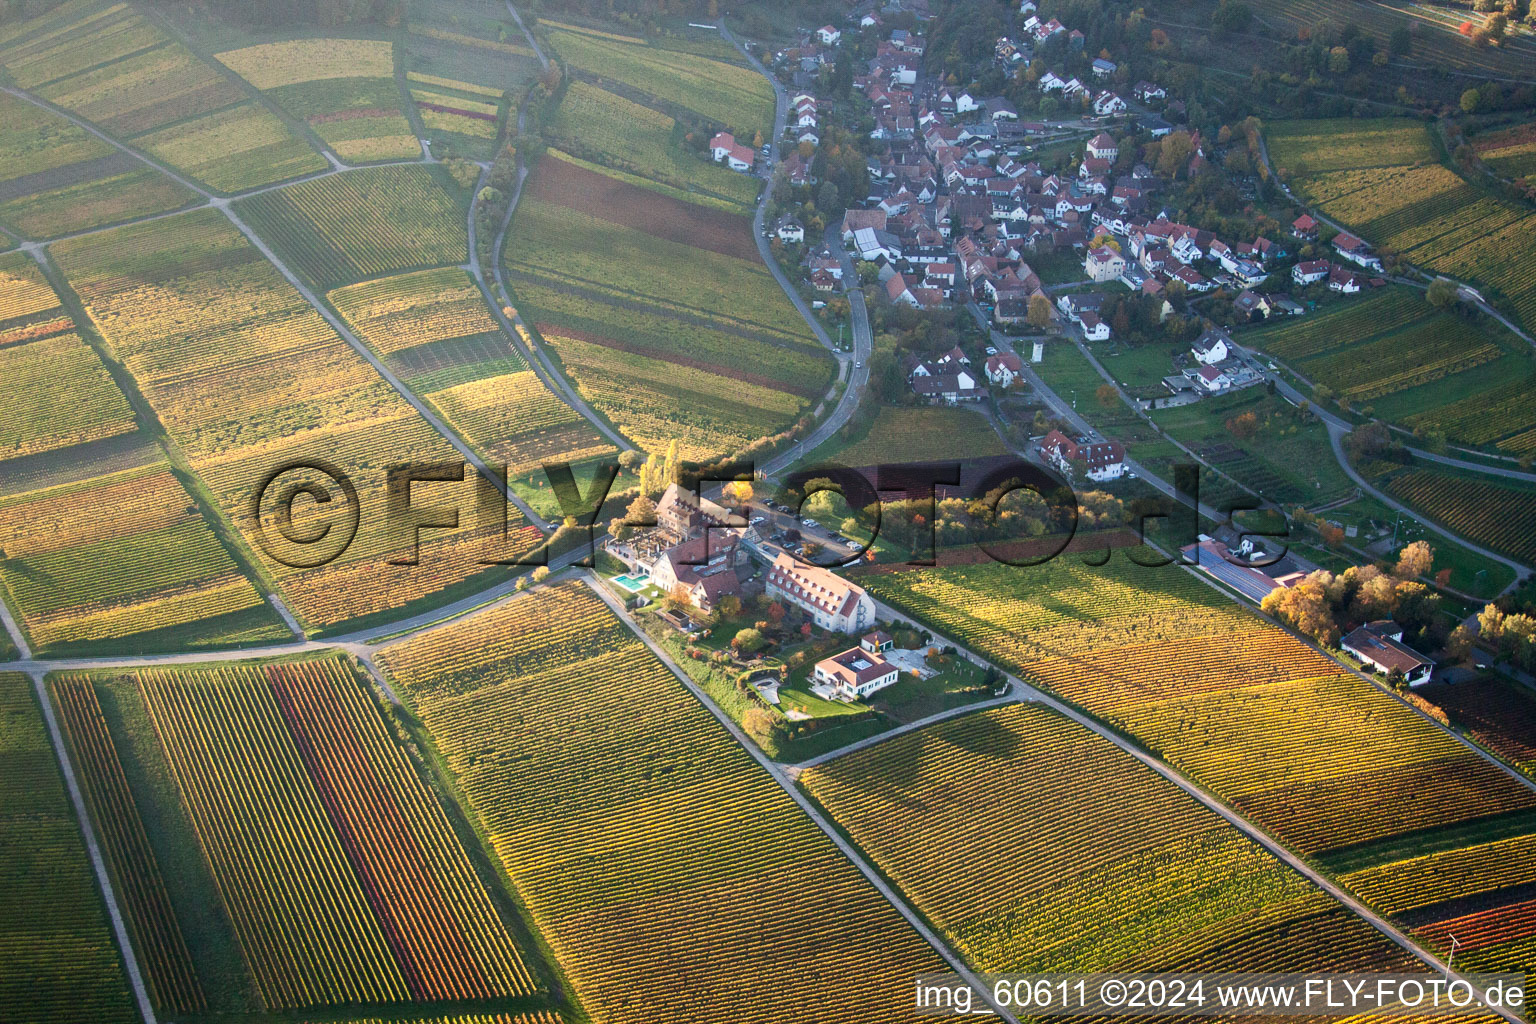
{"x":1109,"y":103}
{"x":1094,"y":329}
{"x":1211,"y":348}
{"x":831,"y":601}
{"x":1310,"y":271}
{"x":723,"y":147}
{"x":859,"y":671}
{"x":1099,"y":461}
{"x":1380,"y":645}
{"x":1103,"y":147}
{"x":1211,"y":379}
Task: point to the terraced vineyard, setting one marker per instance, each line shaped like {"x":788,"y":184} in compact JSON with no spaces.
{"x":104,"y":547}
{"x":661,"y":311}
{"x":1498,"y":517}
{"x":55,"y":178}
{"x":1262,"y":720}
{"x":344,"y":89}
{"x":998,"y":826}
{"x":58,"y":960}
{"x":632,"y":824}
{"x":247,"y":377}
{"x":111,"y":65}
{"x":1382,"y":178}
{"x":382,"y":904}
{"x":434,"y":330}
{"x":364,"y":223}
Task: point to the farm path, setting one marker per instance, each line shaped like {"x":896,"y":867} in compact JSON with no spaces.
{"x":855,"y":367}
{"x":13,"y":628}
{"x":1336,"y":435}
{"x":777,"y":773}
{"x":513,"y":326}
{"x":383,"y":371}
{"x":83,"y":820}
{"x":1466,"y":291}
{"x":1024,"y":691}
{"x":537,"y":49}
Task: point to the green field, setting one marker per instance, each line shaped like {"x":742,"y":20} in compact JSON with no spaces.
{"x":58,"y":959}
{"x":1280,"y":460}
{"x":903,"y":435}
{"x":363,"y":223}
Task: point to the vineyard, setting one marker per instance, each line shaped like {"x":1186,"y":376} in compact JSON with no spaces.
{"x":58,"y":960}
{"x":364,"y":223}
{"x":136,"y":878}
{"x":1510,"y":154}
{"x":1262,"y":720}
{"x":633,"y":825}
{"x":55,"y":178}
{"x":680,"y":333}
{"x":378,"y":901}
{"x":998,"y":827}
{"x":619,"y":133}
{"x":462,"y":57}
{"x":1399,"y":197}
{"x":433,"y":329}
{"x":78,"y":576}
{"x":1498,"y":517}
{"x":344,"y":89}
{"x":120,"y":70}
{"x":246,"y":376}
{"x":1499,"y":714}
{"x":726,"y":94}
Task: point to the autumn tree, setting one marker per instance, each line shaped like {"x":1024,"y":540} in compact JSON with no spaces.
{"x":1039,"y":315}
{"x":1415,"y":560}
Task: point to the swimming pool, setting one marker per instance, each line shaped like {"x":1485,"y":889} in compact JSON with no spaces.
{"x":633,"y":584}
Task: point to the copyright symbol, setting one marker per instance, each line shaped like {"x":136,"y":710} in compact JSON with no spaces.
{"x":306,"y":514}
{"x":1112,"y":993}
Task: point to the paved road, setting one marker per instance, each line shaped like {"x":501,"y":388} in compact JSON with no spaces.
{"x":853,"y":368}
{"x":858,"y":381}
{"x":537,"y":49}
{"x":811,"y":810}
{"x":363,"y":350}
{"x":1336,"y":438}
{"x":135,"y":979}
